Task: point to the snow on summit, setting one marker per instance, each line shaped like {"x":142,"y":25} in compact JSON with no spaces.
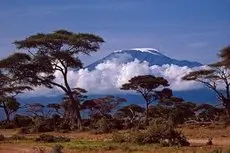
{"x":147,"y":50}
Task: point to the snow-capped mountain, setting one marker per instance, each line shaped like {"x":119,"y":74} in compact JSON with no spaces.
{"x":150,"y":55}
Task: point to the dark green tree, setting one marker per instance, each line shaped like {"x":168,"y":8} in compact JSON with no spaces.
{"x":147,"y":86}
{"x":51,"y":53}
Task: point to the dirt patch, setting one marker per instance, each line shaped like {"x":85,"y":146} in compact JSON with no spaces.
{"x":17,"y":148}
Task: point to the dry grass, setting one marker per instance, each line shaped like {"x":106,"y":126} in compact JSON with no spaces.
{"x":88,"y":142}
{"x":205,"y":132}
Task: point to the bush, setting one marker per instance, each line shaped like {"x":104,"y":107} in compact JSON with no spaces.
{"x":2,"y":138}
{"x":103,"y":125}
{"x":18,"y":137}
{"x":158,"y":133}
{"x":41,"y":125}
{"x":57,"y":148}
{"x":218,"y":151}
{"x":119,"y":138}
{"x":50,"y":138}
{"x":6,"y":125}
{"x":22,"y":121}
{"x":24,"y":130}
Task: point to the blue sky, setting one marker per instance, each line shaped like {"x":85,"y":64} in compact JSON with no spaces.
{"x":182,"y":29}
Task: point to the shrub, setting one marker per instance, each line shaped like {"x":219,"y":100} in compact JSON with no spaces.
{"x":158,"y":133}
{"x":18,"y":137}
{"x":218,"y":151}
{"x":24,"y":130}
{"x":119,"y":138}
{"x":57,"y":148}
{"x":2,"y":138}
{"x":41,"y":125}
{"x":164,"y":133}
{"x":22,"y":121}
{"x":50,"y":138}
{"x":103,"y":125}
{"x":7,"y":125}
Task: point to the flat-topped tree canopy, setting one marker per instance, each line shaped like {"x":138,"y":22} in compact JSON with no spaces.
{"x":61,"y":40}
{"x":146,"y":85}
{"x":204,"y":74}
{"x":146,"y":82}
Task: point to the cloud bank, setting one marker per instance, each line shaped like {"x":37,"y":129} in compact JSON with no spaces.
{"x":109,"y":76}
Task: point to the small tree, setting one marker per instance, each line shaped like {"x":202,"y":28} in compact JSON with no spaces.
{"x":37,"y":110}
{"x":10,"y":105}
{"x":102,"y":107}
{"x":10,"y":86}
{"x":131,"y":114}
{"x":146,"y":85}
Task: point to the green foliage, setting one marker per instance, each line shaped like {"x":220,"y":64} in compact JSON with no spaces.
{"x":49,"y":138}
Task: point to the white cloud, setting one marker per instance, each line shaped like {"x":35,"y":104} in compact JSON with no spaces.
{"x":109,"y":76}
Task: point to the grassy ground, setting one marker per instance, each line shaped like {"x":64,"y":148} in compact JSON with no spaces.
{"x":87,"y":142}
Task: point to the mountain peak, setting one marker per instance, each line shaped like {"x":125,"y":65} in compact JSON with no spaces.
{"x":146,"y":50}
{"x":150,"y":55}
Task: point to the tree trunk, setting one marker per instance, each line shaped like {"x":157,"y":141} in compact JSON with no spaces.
{"x":227,"y":92}
{"x":226,"y":103}
{"x":147,"y":114}
{"x":6,"y":112}
{"x":228,"y":107}
{"x":72,"y":114}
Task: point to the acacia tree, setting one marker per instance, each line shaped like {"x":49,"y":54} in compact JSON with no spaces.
{"x":217,"y":75}
{"x":146,"y":85}
{"x":56,"y":52}
{"x":130,"y":114}
{"x":10,"y":105}
{"x":10,"y":86}
{"x":214,"y":78}
{"x":102,"y":107}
